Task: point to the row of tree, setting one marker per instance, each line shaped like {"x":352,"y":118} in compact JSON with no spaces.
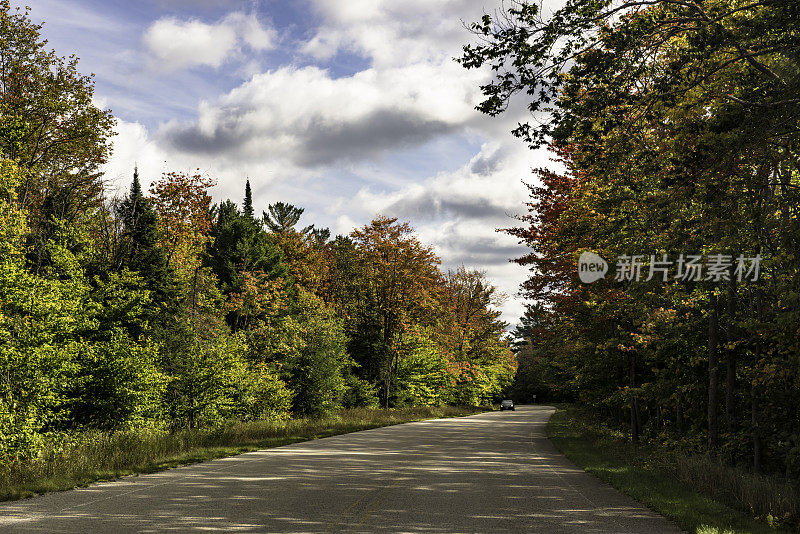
{"x":162,"y":309}
{"x":678,"y":126}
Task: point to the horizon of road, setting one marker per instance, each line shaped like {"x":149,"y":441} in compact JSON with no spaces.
{"x":491,"y":472}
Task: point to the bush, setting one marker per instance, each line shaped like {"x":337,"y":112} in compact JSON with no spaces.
{"x":318,"y":367}
{"x":359,"y":393}
{"x":261,"y":395}
{"x":213,"y":382}
{"x":422,"y":377}
{"x":121,"y":385}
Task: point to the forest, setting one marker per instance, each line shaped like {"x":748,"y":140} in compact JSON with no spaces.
{"x":159,"y":309}
{"x":676,"y":130}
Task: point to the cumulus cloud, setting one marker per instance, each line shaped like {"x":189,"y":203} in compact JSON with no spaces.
{"x":306,"y":116}
{"x":487,"y":188}
{"x":367,"y":136}
{"x":391,"y":32}
{"x":475,"y":244}
{"x":133,"y":147}
{"x":176,"y":44}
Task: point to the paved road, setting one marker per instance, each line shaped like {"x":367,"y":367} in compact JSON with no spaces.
{"x":493,"y":472}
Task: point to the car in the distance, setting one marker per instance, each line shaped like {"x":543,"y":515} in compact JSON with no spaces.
{"x":507,"y":404}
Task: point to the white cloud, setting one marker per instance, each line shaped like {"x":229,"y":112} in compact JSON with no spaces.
{"x":253,"y":32}
{"x":488,"y":187}
{"x":175,"y":44}
{"x":132,"y":146}
{"x":391,"y":32}
{"x":310,"y":119}
{"x":344,"y":225}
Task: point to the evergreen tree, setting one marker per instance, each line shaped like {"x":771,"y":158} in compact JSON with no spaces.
{"x":139,"y":225}
{"x":239,"y":244}
{"x":283,"y":217}
{"x":319,"y":236}
{"x":144,"y":256}
{"x":317,"y":370}
{"x":248,"y":201}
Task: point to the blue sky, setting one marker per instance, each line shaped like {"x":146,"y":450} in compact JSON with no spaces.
{"x":348,"y":109}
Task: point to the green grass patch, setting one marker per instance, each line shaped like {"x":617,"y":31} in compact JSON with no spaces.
{"x":695,"y":492}
{"x":98,"y":456}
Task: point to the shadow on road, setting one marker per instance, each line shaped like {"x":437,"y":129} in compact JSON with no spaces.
{"x":493,"y":472}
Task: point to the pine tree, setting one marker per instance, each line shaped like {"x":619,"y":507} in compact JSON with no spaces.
{"x":319,"y":236}
{"x":139,"y":224}
{"x":283,"y":217}
{"x":144,"y":256}
{"x":248,"y":201}
{"x":239,"y":245}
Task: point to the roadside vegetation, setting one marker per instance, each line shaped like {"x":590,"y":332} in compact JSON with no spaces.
{"x":676,"y":127}
{"x":94,"y":455}
{"x":154,"y":325}
{"x":699,"y":493}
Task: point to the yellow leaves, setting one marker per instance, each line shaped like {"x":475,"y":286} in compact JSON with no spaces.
{"x":258,"y":295}
{"x":12,"y":217}
{"x":307,"y":263}
{"x":183,"y":205}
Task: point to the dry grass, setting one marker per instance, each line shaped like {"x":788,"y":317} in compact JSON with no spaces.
{"x":698,"y":493}
{"x":93,"y":456}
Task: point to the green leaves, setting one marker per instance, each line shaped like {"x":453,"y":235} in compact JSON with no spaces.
{"x":211,"y":382}
{"x":118,"y":384}
{"x":677,"y":124}
{"x":49,"y":124}
{"x":160,"y":310}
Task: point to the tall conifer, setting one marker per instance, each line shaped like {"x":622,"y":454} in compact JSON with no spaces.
{"x":248,"y":200}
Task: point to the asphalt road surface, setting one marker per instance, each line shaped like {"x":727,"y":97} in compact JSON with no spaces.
{"x":493,"y":472}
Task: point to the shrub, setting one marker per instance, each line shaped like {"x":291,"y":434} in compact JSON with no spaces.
{"x":121,"y":385}
{"x":421,"y":372}
{"x":213,"y":382}
{"x":359,"y":393}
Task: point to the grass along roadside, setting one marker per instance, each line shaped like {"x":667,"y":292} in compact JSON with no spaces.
{"x":97,"y":456}
{"x":669,"y":484}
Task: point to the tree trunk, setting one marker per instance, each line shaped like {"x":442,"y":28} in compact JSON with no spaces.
{"x":639,"y":410}
{"x":388,"y":325}
{"x":756,"y":436}
{"x":635,"y":419}
{"x":730,"y":355}
{"x":387,"y":383}
{"x":754,"y":393}
{"x":656,"y":417}
{"x":713,"y":380}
